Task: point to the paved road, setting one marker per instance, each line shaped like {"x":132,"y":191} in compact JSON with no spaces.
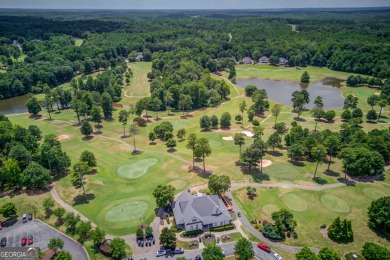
{"x":42,"y":234}
{"x":228,"y":249}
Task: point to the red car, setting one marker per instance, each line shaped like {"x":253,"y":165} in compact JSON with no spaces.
{"x":24,"y":241}
{"x":264,"y":247}
{"x":30,"y":240}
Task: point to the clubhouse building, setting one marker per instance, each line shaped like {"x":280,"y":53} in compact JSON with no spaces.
{"x":200,"y":212}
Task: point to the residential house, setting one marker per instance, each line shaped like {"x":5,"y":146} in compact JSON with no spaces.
{"x":139,"y":56}
{"x":282,"y":61}
{"x":264,"y":59}
{"x":200,"y":212}
{"x":247,"y":60}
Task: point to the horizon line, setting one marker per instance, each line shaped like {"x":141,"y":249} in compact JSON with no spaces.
{"x":192,"y":9}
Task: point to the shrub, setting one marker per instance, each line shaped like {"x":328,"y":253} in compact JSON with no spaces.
{"x":223,"y":228}
{"x":269,"y":232}
{"x":167,"y":219}
{"x":255,"y":122}
{"x":288,"y":233}
{"x":193,"y":232}
{"x":260,"y":228}
{"x":379,"y":213}
{"x":323,"y":226}
{"x":341,"y":231}
{"x":140,"y":121}
{"x":295,"y":235}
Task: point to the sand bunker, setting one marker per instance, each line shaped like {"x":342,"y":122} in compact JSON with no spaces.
{"x":228,"y":138}
{"x":266,"y":163}
{"x":63,"y":137}
{"x":249,"y":134}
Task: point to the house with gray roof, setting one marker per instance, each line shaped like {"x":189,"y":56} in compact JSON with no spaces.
{"x":247,"y":60}
{"x":283,"y":61}
{"x":200,"y":212}
{"x":264,"y":59}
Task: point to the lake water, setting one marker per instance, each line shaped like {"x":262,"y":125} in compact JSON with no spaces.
{"x":280,"y":91}
{"x":14,"y":105}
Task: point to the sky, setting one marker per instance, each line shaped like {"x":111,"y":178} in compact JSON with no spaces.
{"x":188,"y":4}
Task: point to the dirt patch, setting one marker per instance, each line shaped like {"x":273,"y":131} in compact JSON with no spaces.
{"x":324,"y":232}
{"x":266,"y":163}
{"x":119,"y":148}
{"x":63,"y":137}
{"x":228,"y":138}
{"x":98,"y":183}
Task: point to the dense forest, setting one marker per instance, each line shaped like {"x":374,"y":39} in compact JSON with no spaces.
{"x":349,"y":41}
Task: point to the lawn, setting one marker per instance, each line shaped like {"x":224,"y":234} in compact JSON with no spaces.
{"x":235,"y":236}
{"x":139,"y":84}
{"x":266,"y":71}
{"x":311,"y":209}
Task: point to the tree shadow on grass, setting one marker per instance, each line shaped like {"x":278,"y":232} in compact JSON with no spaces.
{"x":299,"y":119}
{"x":379,"y":233}
{"x":347,"y":182}
{"x":87,"y":138}
{"x":81,"y":199}
{"x":255,"y":173}
{"x":201,"y":173}
{"x":320,"y":180}
{"x":297,"y":163}
{"x":331,"y":173}
{"x":275,"y":153}
{"x":171,"y":150}
{"x":137,"y":152}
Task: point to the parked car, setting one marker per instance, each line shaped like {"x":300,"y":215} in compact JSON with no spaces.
{"x":264,"y":247}
{"x":198,"y":257}
{"x":178,"y":250}
{"x":29,"y":216}
{"x":277,"y":256}
{"x":1,"y":225}
{"x":23,"y":242}
{"x":24,"y":218}
{"x":3,"y":242}
{"x":30,"y":239}
{"x":239,"y":214}
{"x":218,"y":240}
{"x":160,"y":253}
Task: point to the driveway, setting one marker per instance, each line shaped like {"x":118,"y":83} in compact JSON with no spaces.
{"x":228,"y":249}
{"x":42,"y":234}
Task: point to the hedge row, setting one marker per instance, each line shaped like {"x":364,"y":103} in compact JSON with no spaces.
{"x":223,"y":228}
{"x":193,"y":232}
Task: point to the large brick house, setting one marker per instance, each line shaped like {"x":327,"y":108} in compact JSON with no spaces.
{"x":200,"y":212}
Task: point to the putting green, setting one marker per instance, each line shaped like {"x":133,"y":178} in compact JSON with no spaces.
{"x":127,"y":211}
{"x":294,"y":202}
{"x":214,"y":143}
{"x":180,"y":124}
{"x":178,"y":184}
{"x":137,"y":169}
{"x":268,"y":209}
{"x":374,"y":193}
{"x":334,"y":203}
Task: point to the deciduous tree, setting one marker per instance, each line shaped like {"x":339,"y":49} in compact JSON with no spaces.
{"x":219,"y":184}
{"x":203,"y":148}
{"x":243,"y":248}
{"x":164,"y":195}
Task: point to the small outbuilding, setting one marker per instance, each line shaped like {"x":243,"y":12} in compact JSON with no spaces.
{"x":247,"y":60}
{"x":283,"y":61}
{"x":264,"y":59}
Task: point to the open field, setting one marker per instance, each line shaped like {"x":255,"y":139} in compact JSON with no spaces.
{"x":139,"y":84}
{"x":266,"y":71}
{"x":78,"y":41}
{"x":311,"y":209}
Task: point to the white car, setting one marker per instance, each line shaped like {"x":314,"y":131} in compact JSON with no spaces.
{"x":160,"y":253}
{"x":277,"y":256}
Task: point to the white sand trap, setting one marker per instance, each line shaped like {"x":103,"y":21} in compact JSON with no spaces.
{"x":228,"y":138}
{"x":63,"y":137}
{"x":249,"y":134}
{"x":266,"y":163}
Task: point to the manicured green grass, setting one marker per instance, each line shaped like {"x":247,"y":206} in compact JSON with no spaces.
{"x":78,"y":41}
{"x":323,"y":207}
{"x":186,"y":244}
{"x":136,"y":169}
{"x":235,"y":236}
{"x":266,"y":71}
{"x":139,"y":83}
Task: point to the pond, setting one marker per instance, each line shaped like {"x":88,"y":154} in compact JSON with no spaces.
{"x":280,"y":91}
{"x":14,"y":105}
